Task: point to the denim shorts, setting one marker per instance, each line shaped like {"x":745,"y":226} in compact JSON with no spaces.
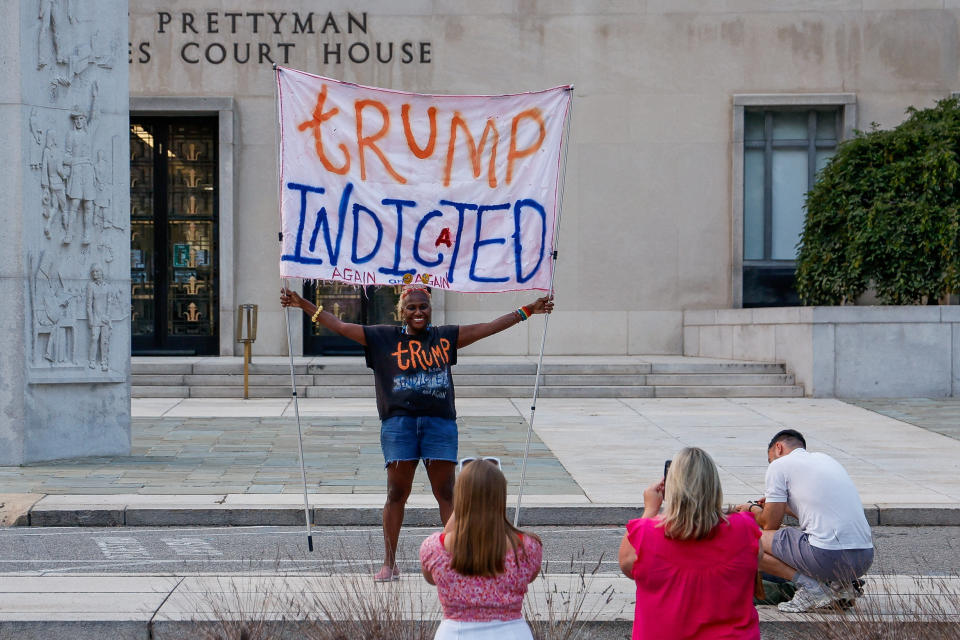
{"x":793,"y":547}
{"x":416,"y":438}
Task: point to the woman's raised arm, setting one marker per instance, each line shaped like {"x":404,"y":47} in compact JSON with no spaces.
{"x":326,"y":319}
{"x":470,"y":333}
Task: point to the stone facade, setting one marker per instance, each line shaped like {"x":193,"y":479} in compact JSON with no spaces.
{"x":652,"y":216}
{"x":64,"y":274}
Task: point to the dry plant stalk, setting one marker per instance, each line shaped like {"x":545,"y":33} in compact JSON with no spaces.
{"x":235,"y":614}
{"x":926,"y":609}
{"x":349,"y":606}
{"x":562,"y":612}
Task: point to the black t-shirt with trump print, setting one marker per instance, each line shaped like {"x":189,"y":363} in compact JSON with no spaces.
{"x":412,"y":373}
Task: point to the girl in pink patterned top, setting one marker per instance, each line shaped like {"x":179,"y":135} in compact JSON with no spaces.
{"x":480,"y":563}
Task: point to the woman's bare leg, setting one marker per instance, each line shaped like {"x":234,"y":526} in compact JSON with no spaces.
{"x":442,"y":474}
{"x":399,"y":482}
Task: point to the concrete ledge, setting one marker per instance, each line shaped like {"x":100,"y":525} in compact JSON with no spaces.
{"x":190,"y":630}
{"x":79,"y":516}
{"x":187,"y":607}
{"x":74,"y":629}
{"x":918,"y":515}
{"x":840,"y":351}
{"x":366,"y":510}
{"x":220,"y":515}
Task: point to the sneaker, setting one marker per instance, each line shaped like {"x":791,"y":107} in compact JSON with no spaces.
{"x":806,"y":600}
{"x":845,"y":594}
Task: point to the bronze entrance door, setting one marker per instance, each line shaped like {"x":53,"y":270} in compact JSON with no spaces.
{"x":363,"y":305}
{"x":173,"y":235}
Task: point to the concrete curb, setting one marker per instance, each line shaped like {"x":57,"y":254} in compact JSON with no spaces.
{"x":189,"y":630}
{"x":166,"y":515}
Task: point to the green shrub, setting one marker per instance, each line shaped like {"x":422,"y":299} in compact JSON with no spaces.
{"x":884,"y":214}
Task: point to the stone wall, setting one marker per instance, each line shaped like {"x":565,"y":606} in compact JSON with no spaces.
{"x":64,"y":225}
{"x":844,"y":352}
{"x":651,"y":224}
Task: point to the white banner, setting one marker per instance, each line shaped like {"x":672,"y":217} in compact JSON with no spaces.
{"x":381,"y":187}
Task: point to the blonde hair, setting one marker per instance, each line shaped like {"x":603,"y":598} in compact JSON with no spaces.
{"x":481,"y":528}
{"x":693,"y":496}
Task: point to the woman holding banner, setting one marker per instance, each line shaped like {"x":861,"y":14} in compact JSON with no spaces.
{"x":415,"y":397}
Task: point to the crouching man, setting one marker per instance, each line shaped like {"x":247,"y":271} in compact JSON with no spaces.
{"x":833,"y":546}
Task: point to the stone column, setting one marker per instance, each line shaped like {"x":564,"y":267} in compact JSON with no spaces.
{"x":64,"y":230}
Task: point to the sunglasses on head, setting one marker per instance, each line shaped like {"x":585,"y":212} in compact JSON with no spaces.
{"x":465,"y":461}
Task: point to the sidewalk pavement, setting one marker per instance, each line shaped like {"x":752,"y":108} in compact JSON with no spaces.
{"x":167,"y":606}
{"x":228,"y":461}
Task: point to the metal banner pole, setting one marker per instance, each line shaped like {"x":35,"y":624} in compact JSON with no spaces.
{"x":546,"y":320}
{"x":296,"y":409}
{"x":286,"y":317}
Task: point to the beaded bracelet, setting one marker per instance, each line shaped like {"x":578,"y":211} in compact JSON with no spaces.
{"x":316,"y":314}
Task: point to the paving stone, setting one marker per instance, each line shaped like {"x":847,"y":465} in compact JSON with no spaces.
{"x":181,"y":455}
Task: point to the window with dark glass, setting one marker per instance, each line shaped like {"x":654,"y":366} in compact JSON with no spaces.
{"x":783,"y":149}
{"x":173,"y":235}
{"x":361,"y":305}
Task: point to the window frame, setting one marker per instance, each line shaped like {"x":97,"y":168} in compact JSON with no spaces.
{"x":741,"y":102}
{"x":224,"y":109}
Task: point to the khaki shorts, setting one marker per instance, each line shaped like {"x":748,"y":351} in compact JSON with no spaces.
{"x":792,"y":547}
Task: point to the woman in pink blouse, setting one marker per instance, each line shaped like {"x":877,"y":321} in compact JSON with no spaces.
{"x":695,"y":568}
{"x":480,"y":563}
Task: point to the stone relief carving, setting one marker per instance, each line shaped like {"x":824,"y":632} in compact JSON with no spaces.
{"x":63,"y":48}
{"x":67,"y":280}
{"x":98,"y":319}
{"x":36,"y":134}
{"x":58,"y":309}
{"x":53,"y":185}
{"x":55,"y":17}
{"x":78,"y":156}
{"x":52,"y":320}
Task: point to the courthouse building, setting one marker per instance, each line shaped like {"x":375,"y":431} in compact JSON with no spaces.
{"x":697,"y":128}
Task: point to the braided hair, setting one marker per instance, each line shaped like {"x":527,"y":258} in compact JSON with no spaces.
{"x":407,"y":291}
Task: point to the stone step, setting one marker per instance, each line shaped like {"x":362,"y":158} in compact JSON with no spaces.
{"x":259,"y":380}
{"x":501,"y":391}
{"x":718,"y":367}
{"x":511,"y":368}
{"x":163,"y":391}
{"x":475,"y":377}
{"x":462,"y":380}
{"x":237,"y":392}
{"x":606,"y":391}
{"x":160,"y":367}
{"x":234,"y":366}
{"x":157,"y":380}
{"x":715,"y":391}
{"x":720,"y":379}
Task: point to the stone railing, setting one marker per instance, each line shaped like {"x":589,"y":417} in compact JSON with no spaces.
{"x":847,"y":352}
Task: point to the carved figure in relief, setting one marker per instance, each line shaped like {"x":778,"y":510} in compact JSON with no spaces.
{"x":55,"y":16}
{"x":52,"y":186}
{"x":98,"y":316}
{"x":36,"y":132}
{"x":51,"y":302}
{"x":81,"y":185}
{"x":103,"y":175}
{"x":98,"y":51}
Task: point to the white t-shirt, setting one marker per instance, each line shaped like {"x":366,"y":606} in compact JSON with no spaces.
{"x":818,"y":489}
